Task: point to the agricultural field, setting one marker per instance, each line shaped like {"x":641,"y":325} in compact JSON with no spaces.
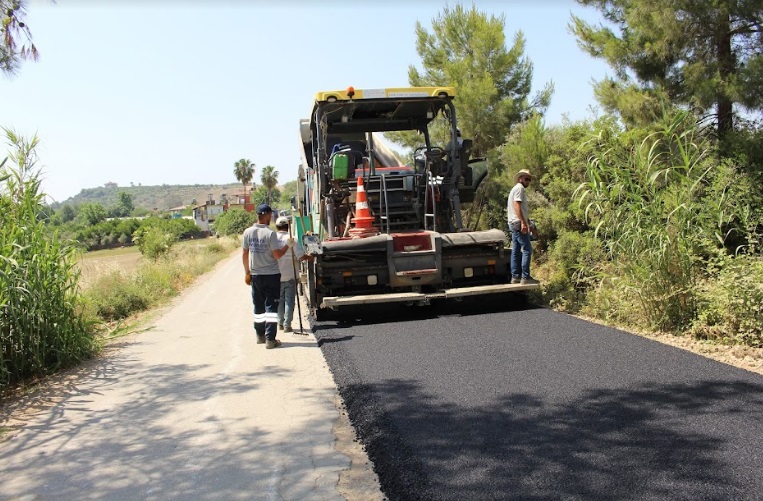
{"x":126,"y":260}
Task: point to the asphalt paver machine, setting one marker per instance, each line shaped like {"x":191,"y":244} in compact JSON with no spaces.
{"x":411,"y":246}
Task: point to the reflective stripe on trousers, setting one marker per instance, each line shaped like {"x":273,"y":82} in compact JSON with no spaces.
{"x":266,"y":290}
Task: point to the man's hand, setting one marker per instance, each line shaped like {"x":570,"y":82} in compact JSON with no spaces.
{"x":524,"y":228}
{"x":248,"y":279}
{"x":290,"y":243}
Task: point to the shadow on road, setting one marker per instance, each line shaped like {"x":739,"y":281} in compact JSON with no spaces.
{"x":370,"y":314}
{"x":605,"y":445}
{"x":133,"y":449}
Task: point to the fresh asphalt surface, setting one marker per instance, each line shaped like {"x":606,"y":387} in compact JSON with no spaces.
{"x":489,"y":399}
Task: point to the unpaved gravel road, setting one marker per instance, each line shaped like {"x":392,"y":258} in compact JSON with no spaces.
{"x":190,"y":409}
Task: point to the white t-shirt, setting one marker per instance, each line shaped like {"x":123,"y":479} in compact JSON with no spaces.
{"x":285,"y":264}
{"x":517,"y":194}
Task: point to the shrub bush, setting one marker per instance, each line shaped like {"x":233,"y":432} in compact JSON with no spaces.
{"x":574,"y":264}
{"x":116,"y":295}
{"x":154,"y":242}
{"x":731,"y":305}
{"x":234,"y":222}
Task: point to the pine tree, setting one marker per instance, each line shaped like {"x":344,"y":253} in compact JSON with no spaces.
{"x":701,"y":54}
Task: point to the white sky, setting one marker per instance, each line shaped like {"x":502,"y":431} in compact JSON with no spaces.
{"x":176,"y":91}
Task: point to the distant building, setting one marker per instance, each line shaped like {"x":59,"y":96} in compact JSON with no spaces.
{"x":204,"y":215}
{"x":241,"y":201}
{"x":111,"y":186}
{"x":177,"y":212}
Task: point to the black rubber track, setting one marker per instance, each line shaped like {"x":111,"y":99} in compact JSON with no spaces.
{"x":483,"y":400}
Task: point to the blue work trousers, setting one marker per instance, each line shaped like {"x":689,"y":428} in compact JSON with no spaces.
{"x":286,"y":304}
{"x":266,"y":289}
{"x":521,"y":251}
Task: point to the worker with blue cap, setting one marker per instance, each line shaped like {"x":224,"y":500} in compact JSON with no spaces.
{"x":261,"y":252}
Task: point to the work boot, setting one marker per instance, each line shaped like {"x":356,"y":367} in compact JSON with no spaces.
{"x":529,"y":281}
{"x":272,"y":343}
{"x":260,"y":338}
{"x":280,"y":326}
{"x":515,"y":280}
{"x":287,"y":328}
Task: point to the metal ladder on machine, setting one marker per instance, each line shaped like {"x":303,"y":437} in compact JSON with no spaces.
{"x":430,"y":188}
{"x":394,"y":211}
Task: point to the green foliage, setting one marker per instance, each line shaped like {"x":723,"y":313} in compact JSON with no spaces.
{"x":244,"y":171}
{"x":269,"y":180}
{"x":648,"y":203}
{"x":700,"y":53}
{"x":67,"y":213}
{"x":234,"y":222}
{"x":12,"y":30}
{"x":573,"y":268}
{"x":731,"y":304}
{"x":124,"y":206}
{"x":117,"y":295}
{"x":289,"y":190}
{"x":91,"y":213}
{"x":154,"y":241}
{"x":263,"y":196}
{"x":467,"y":49}
{"x":41,"y":323}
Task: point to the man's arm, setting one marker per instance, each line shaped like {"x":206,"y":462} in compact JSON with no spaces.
{"x":521,"y":216}
{"x":278,"y":253}
{"x":247,"y":271}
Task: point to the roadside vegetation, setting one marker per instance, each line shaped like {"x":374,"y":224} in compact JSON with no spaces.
{"x":650,"y":211}
{"x":115,"y":294}
{"x":48,"y":319}
{"x":43,"y":326}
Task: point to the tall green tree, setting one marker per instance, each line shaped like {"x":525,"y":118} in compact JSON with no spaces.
{"x":123,"y":207}
{"x":466,"y":48}
{"x":15,"y":37}
{"x":702,"y":54}
{"x":244,"y":171}
{"x":67,"y":213}
{"x":269,"y":179}
{"x":91,"y":213}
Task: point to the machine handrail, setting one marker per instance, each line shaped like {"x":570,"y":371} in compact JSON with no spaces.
{"x":430,"y":186}
{"x":384,"y":203}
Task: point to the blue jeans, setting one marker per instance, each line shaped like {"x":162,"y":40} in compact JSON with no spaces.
{"x":521,"y":251}
{"x":286,"y":303}
{"x":265,"y":292}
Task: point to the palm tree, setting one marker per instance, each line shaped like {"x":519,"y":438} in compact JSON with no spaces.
{"x":269,"y":178}
{"x":244,"y":171}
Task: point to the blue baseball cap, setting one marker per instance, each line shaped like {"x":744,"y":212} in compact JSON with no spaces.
{"x":264,"y":209}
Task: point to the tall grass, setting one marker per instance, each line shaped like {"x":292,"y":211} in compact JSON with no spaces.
{"x":117,"y":295}
{"x":42,"y":327}
{"x":650,"y":207}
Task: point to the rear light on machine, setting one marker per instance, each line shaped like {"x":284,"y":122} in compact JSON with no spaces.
{"x":468,"y":272}
{"x":373,"y":280}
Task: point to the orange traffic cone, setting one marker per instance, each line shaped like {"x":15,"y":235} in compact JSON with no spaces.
{"x":363,"y":220}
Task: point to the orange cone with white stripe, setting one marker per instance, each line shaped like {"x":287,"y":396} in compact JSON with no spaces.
{"x":363,"y":220}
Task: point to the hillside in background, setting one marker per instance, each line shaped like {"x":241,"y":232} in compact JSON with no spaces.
{"x":162,"y":197}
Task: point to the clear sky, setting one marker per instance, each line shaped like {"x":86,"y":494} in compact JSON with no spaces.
{"x":175,"y":92}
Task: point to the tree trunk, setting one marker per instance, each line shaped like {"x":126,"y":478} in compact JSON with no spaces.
{"x":726,"y":64}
